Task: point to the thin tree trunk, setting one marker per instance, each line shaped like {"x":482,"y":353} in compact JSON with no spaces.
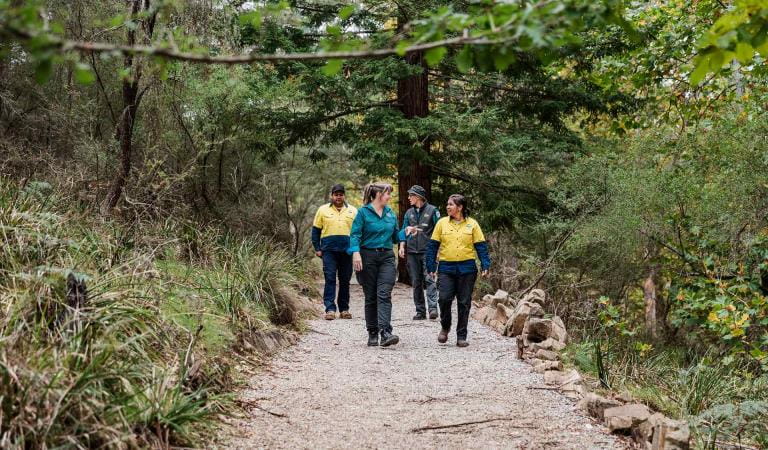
{"x":131,"y":100}
{"x":649,"y":294}
{"x":413,"y":98}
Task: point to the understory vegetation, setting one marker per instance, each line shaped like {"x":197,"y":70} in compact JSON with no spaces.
{"x":126,"y":335}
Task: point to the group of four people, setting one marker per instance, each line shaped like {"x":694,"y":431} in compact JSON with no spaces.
{"x":440,"y":255}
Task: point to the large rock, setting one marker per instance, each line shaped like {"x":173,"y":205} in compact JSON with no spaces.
{"x":558,"y":331}
{"x":624,"y":418}
{"x":484,"y":314}
{"x":559,"y":378}
{"x":548,"y":355}
{"x":547,"y":344}
{"x":541,"y":366}
{"x":659,"y":431}
{"x":535,"y":296}
{"x":499,"y":297}
{"x":516,"y":322}
{"x":595,"y":405}
{"x":537,"y":330}
{"x":500,"y":317}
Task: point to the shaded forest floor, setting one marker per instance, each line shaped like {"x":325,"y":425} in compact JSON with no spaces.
{"x":332,"y":391}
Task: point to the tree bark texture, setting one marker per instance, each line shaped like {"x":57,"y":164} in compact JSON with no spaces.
{"x":413,"y":98}
{"x":649,"y":294}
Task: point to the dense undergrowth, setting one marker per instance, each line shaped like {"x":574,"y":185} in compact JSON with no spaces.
{"x":144,"y":359}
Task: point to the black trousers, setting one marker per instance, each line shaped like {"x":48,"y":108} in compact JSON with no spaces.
{"x":378,"y":278}
{"x":460,"y":287}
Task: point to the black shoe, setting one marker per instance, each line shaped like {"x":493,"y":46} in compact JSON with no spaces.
{"x":420,"y":316}
{"x":433,"y":315}
{"x":461,"y":343}
{"x":442,"y":336}
{"x":388,"y":339}
{"x":373,"y":339}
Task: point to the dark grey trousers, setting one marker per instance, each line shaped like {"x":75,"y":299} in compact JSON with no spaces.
{"x":378,"y":278}
{"x":418,"y":271}
{"x":459,"y":286}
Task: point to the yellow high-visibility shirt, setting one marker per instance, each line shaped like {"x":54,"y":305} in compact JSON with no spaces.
{"x":457,"y":240}
{"x":333,"y":222}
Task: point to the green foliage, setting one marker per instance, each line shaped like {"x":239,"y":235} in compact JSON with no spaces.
{"x":117,"y":370}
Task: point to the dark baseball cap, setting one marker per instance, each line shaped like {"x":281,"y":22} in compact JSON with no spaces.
{"x":418,"y":190}
{"x":337,"y":188}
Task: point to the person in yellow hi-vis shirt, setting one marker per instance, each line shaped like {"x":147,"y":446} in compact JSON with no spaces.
{"x":458,"y":238}
{"x":330,"y":238}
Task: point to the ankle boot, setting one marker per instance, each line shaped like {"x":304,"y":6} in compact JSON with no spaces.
{"x":373,"y":339}
{"x":388,"y":339}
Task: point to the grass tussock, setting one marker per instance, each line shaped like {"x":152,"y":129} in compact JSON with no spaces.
{"x":723,"y":404}
{"x":121,"y":335}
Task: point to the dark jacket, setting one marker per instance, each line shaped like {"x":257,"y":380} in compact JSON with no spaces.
{"x":425,"y":219}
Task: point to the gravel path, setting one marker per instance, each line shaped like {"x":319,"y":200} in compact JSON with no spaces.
{"x":332,"y":391}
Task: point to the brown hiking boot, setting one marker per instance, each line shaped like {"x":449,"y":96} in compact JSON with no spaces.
{"x":442,"y":336}
{"x":330,"y":315}
{"x":433,"y":315}
{"x":345,"y":315}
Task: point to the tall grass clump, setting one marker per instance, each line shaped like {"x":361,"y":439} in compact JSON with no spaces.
{"x":115,"y":335}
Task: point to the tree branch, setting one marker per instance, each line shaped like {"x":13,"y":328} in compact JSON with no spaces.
{"x":66,"y":45}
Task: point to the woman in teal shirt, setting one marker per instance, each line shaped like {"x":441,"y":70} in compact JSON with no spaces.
{"x":373,"y":234}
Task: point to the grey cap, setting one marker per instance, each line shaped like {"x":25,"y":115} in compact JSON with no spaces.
{"x":418,"y":190}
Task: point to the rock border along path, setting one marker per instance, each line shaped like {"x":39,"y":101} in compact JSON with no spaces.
{"x":332,"y":391}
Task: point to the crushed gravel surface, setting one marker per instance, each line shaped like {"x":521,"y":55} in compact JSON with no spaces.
{"x":332,"y":391}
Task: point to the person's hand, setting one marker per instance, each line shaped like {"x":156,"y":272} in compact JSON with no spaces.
{"x":411,"y":230}
{"x":484,"y":273}
{"x":319,"y":253}
{"x":401,"y":252}
{"x":357,"y":262}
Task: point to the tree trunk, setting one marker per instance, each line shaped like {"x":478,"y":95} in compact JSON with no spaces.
{"x":131,"y":100}
{"x":649,"y":293}
{"x":413,"y":98}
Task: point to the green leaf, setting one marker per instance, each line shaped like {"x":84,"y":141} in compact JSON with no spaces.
{"x":433,"y":56}
{"x":503,"y":58}
{"x":716,"y":60}
{"x":401,"y":47}
{"x":333,"y":30}
{"x":744,"y":52}
{"x":346,"y":12}
{"x":332,"y":67}
{"x":84,"y":74}
{"x":43,"y":70}
{"x":701,"y":70}
{"x":464,"y":59}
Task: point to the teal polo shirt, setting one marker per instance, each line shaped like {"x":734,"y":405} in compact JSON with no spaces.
{"x":369,"y":230}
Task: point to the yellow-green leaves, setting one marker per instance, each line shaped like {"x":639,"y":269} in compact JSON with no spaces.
{"x":84,"y":74}
{"x":332,"y":67}
{"x":433,"y":56}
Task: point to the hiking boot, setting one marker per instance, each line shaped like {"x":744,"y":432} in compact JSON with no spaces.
{"x":373,"y":339}
{"x":345,"y":315}
{"x":442,"y":336}
{"x":388,"y":339}
{"x":433,"y":315}
{"x":330,"y":315}
{"x":461,"y":343}
{"x":420,"y":316}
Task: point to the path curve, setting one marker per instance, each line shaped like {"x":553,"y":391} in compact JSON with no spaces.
{"x":332,"y":391}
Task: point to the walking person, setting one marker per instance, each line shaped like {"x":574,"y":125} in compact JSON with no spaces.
{"x":456,"y":241}
{"x":374,"y":232}
{"x":418,"y":223}
{"x":330,"y":238}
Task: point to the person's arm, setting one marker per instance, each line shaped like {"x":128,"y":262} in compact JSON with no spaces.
{"x":481,"y":248}
{"x":317,"y":229}
{"x":396,"y":232}
{"x":355,"y":238}
{"x":432,"y":248}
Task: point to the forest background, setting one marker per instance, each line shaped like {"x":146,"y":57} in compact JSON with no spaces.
{"x":616,"y":153}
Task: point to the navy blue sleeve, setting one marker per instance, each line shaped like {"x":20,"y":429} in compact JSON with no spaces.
{"x":482,"y":252}
{"x":316,"y":238}
{"x":431,"y":257}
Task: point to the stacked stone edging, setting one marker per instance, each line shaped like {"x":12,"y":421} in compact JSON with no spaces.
{"x":540,"y":338}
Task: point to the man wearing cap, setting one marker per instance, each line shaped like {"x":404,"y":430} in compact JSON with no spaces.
{"x":330,"y":238}
{"x":418,"y":223}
